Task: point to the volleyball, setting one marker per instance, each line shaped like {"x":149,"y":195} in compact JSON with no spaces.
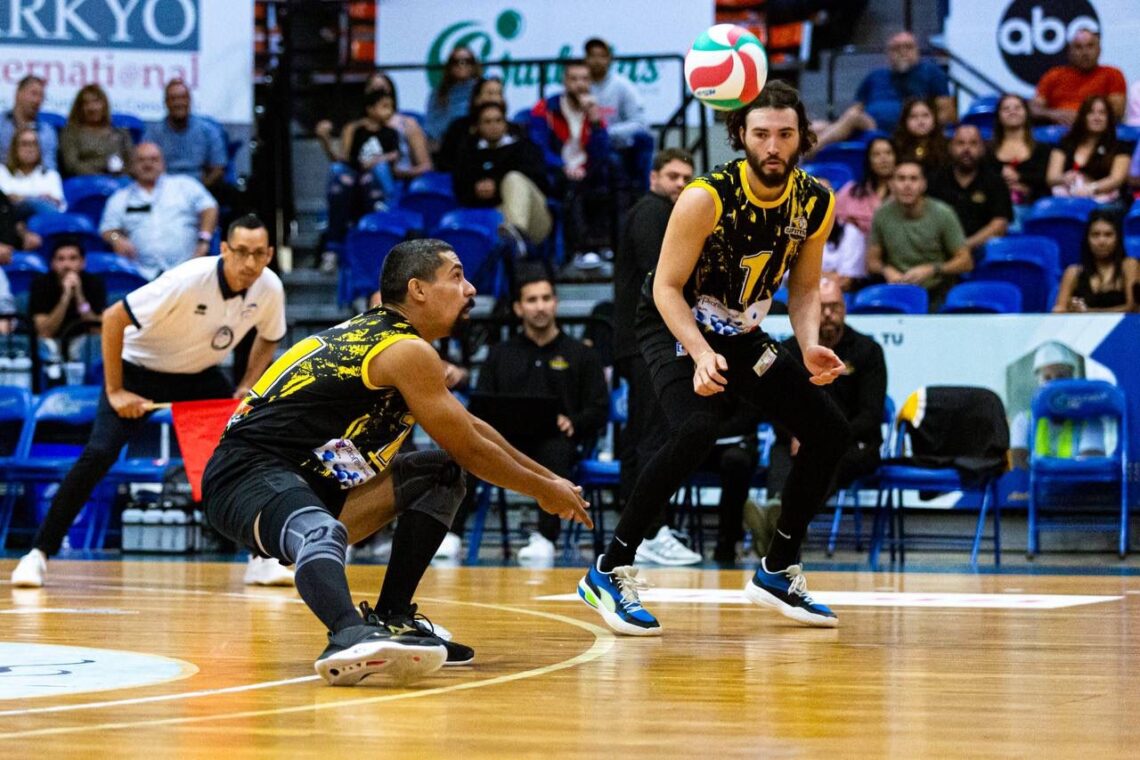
{"x":727,"y":67}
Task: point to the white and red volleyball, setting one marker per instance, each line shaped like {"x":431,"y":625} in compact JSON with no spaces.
{"x":727,"y":67}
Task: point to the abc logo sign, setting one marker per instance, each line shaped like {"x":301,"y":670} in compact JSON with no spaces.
{"x":1033,"y":34}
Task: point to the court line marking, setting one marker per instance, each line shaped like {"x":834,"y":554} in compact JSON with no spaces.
{"x":604,"y":641}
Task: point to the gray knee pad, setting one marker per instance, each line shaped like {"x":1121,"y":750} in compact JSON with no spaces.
{"x":429,"y":482}
{"x":312,"y":533}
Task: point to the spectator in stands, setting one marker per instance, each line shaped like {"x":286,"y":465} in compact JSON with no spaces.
{"x":572,"y":134}
{"x":66,"y":302}
{"x":26,"y":113}
{"x":7,"y":304}
{"x":1015,"y":155}
{"x":486,"y":90}
{"x":1054,"y":361}
{"x":916,"y":239}
{"x":919,"y":135}
{"x":452,"y":96}
{"x":1063,"y":89}
{"x":89,"y":144}
{"x":845,"y":253}
{"x":622,"y":110}
{"x":1090,"y":162}
{"x":646,"y":427}
{"x":978,"y":196}
{"x":500,"y":169}
{"x":371,"y":149}
{"x":29,"y":184}
{"x":860,"y":393}
{"x":414,"y":160}
{"x":14,"y":234}
{"x":1105,"y":279}
{"x":544,"y":361}
{"x":880,"y":97}
{"x":190,"y":145}
{"x":159,"y":220}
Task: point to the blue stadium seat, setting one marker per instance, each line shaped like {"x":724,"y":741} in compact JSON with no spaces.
{"x":478,"y":248}
{"x":15,"y":413}
{"x":836,"y":174}
{"x":364,"y":252}
{"x":1127,"y":133}
{"x":1050,"y":135}
{"x":487,"y":218}
{"x":50,"y":226}
{"x":401,"y":217}
{"x":87,"y":195}
{"x":849,"y":153}
{"x":1132,"y":222}
{"x":56,"y":120}
{"x":131,"y":123}
{"x":983,"y":297}
{"x":20,"y":271}
{"x":1022,"y":268}
{"x":120,"y":276}
{"x":1041,"y":248}
{"x":1063,"y":220}
{"x":1069,"y":403}
{"x":891,"y":299}
{"x":981,"y":112}
{"x":430,"y":195}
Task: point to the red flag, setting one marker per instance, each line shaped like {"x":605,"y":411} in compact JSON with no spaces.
{"x":199,"y":426}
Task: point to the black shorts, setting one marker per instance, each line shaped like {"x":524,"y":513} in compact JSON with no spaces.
{"x":241,"y":482}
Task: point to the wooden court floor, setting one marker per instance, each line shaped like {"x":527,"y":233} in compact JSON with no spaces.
{"x":193,"y":664}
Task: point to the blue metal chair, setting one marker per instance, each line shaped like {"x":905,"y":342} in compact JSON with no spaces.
{"x":891,"y":299}
{"x":1062,"y":220}
{"x":1132,"y":222}
{"x":87,"y":195}
{"x":1127,"y":133}
{"x":977,"y":410}
{"x":1041,"y":248}
{"x":596,"y":475}
{"x":131,"y":123}
{"x":120,"y":276}
{"x":51,"y":226}
{"x":982,"y":111}
{"x":1059,"y":411}
{"x":478,"y":248}
{"x":57,"y":120}
{"x":850,"y":153}
{"x":410,"y":221}
{"x":1050,"y":135}
{"x":21,"y":270}
{"x":431,"y":196}
{"x":983,"y":297}
{"x":836,"y":174}
{"x":1025,"y":267}
{"x":364,"y":252}
{"x":15,"y":413}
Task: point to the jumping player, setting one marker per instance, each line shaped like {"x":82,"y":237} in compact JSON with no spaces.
{"x":732,"y":237}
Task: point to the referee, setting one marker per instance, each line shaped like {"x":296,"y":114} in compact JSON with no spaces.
{"x":164,"y":342}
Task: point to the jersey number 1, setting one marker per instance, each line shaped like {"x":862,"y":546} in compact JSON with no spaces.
{"x":754,"y":266}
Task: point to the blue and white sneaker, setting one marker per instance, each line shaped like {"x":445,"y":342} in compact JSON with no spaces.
{"x":786,"y":591}
{"x":615,"y":596}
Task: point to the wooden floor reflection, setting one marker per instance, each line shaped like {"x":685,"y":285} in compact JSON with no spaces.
{"x":1001,"y":676}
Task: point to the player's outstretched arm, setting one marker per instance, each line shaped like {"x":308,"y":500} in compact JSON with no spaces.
{"x":413,"y":367}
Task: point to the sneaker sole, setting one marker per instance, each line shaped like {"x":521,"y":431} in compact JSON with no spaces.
{"x":403,"y":662}
{"x":758,"y":595}
{"x":613,"y":620}
{"x":275,"y":582}
{"x":27,"y":582}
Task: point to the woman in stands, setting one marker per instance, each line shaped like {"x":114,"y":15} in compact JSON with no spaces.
{"x":1090,"y":162}
{"x":844,"y":256}
{"x":450,"y":99}
{"x":30,"y":186}
{"x":88,"y":144}
{"x":1106,"y":279}
{"x":919,"y":135}
{"x":1015,"y":155}
{"x":487,"y":90}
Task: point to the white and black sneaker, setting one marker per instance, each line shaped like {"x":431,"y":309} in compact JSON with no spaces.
{"x":367,"y":649}
{"x":411,"y":624}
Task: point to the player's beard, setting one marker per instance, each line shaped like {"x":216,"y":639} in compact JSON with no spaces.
{"x":462,"y":319}
{"x":766,"y":177}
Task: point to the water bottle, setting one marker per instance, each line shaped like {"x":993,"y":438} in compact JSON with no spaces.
{"x":174,"y":530}
{"x":152,"y":530}
{"x":132,"y":529}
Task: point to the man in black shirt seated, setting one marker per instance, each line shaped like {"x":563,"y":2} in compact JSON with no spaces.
{"x":67,"y":301}
{"x":860,"y":392}
{"x":977,"y":194}
{"x":543,"y":361}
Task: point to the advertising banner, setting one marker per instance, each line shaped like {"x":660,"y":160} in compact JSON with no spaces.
{"x":132,"y":48}
{"x":1004,"y":354}
{"x":425,"y":32}
{"x":1014,"y":42}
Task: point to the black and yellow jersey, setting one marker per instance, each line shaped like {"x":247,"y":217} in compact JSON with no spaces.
{"x":752,"y":246}
{"x":315,"y":407}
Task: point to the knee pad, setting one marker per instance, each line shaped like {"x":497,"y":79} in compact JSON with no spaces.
{"x":429,"y":482}
{"x":312,"y":533}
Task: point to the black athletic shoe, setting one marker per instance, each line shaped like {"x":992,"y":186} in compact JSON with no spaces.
{"x":411,"y":623}
{"x":363,"y":650}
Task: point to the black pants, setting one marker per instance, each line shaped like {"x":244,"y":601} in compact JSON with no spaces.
{"x":783,"y":394}
{"x":645,"y":431}
{"x":110,"y":433}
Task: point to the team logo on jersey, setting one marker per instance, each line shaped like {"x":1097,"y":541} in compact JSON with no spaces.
{"x":797,"y":230}
{"x":559,"y":363}
{"x":223,"y":339}
{"x":248,"y":311}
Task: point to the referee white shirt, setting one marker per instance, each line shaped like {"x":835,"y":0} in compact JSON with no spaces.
{"x":162,"y":223}
{"x":188,"y":319}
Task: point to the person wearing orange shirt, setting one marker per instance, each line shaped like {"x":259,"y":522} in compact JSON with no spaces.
{"x":1063,"y":88}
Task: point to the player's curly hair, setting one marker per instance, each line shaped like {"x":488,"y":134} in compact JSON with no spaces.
{"x":776,"y":94}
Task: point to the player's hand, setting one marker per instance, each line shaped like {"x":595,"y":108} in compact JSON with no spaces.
{"x":565,"y":426}
{"x":823,"y":365}
{"x":128,"y":405}
{"x":707,"y":377}
{"x":565,"y":500}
